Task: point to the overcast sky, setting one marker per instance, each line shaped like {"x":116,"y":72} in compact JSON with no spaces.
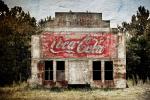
{"x":116,"y":11}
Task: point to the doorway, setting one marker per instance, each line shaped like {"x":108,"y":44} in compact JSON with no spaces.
{"x":78,"y":72}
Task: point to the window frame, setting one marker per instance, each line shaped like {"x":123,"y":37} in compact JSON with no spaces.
{"x":60,"y":70}
{"x":106,"y":71}
{"x":100,"y":71}
{"x":49,"y":71}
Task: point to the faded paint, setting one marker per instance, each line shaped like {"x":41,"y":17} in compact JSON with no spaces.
{"x":121,"y":46}
{"x":109,"y":84}
{"x":72,"y":29}
{"x":35,"y":49}
{"x":98,"y":84}
{"x":74,"y":45}
{"x":34,"y":80}
{"x":120,"y":83}
{"x":78,"y":72}
{"x":78,"y":19}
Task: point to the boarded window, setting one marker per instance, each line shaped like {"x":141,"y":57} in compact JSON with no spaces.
{"x":60,"y":73}
{"x":48,"y":70}
{"x":108,"y":70}
{"x":96,"y":70}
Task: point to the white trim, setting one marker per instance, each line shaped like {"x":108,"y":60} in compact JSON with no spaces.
{"x":68,"y":29}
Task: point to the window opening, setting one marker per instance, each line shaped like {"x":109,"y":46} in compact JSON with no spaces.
{"x":96,"y":70}
{"x":60,"y":73}
{"x":48,"y":70}
{"x":108,"y":70}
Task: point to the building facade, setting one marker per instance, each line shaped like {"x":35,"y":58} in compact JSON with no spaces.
{"x":78,"y":48}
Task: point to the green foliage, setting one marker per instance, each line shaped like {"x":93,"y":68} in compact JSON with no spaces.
{"x":138,"y":44}
{"x":43,"y":22}
{"x":16,"y":28}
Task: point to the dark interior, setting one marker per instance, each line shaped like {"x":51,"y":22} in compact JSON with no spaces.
{"x":108,"y":70}
{"x":96,"y":70}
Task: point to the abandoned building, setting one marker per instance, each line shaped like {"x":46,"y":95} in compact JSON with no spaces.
{"x":78,"y":48}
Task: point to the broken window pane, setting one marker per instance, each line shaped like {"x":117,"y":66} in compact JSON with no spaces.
{"x":60,"y":74}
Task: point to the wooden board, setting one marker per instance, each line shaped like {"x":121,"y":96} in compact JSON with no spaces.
{"x":78,"y":72}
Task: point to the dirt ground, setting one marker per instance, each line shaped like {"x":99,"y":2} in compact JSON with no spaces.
{"x":22,"y":92}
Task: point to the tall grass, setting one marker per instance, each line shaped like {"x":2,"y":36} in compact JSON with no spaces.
{"x":136,"y":81}
{"x":23,"y":91}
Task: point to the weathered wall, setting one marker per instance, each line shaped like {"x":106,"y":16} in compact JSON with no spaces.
{"x":35,"y":55}
{"x":78,"y":67}
{"x":82,"y":66}
{"x":78,"y":45}
{"x":78,"y":19}
{"x":120,"y":63}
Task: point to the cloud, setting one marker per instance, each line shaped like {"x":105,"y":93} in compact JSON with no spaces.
{"x":116,"y":11}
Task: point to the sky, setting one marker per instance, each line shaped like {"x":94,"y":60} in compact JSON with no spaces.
{"x":116,"y":11}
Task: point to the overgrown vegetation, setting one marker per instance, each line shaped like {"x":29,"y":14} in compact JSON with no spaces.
{"x":16,"y":28}
{"x":140,"y":91}
{"x":138,"y":45}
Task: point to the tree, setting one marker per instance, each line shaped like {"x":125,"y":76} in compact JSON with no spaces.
{"x":42,"y":22}
{"x":16,"y":28}
{"x":138,"y":44}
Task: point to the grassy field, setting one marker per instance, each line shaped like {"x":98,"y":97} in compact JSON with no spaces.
{"x":134,"y":92}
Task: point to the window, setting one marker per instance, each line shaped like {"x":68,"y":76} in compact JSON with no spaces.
{"x":96,"y":70}
{"x":108,"y":70}
{"x":60,"y":73}
{"x":48,"y":70}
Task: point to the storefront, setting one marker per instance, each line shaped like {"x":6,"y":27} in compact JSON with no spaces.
{"x":65,"y":56}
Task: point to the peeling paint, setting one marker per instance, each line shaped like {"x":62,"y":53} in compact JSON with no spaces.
{"x":62,"y":42}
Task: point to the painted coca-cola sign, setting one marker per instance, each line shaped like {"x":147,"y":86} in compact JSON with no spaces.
{"x":78,"y":45}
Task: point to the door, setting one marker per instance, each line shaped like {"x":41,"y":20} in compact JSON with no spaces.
{"x":78,"y":72}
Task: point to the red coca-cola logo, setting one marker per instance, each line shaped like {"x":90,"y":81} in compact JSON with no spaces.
{"x":86,"y":45}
